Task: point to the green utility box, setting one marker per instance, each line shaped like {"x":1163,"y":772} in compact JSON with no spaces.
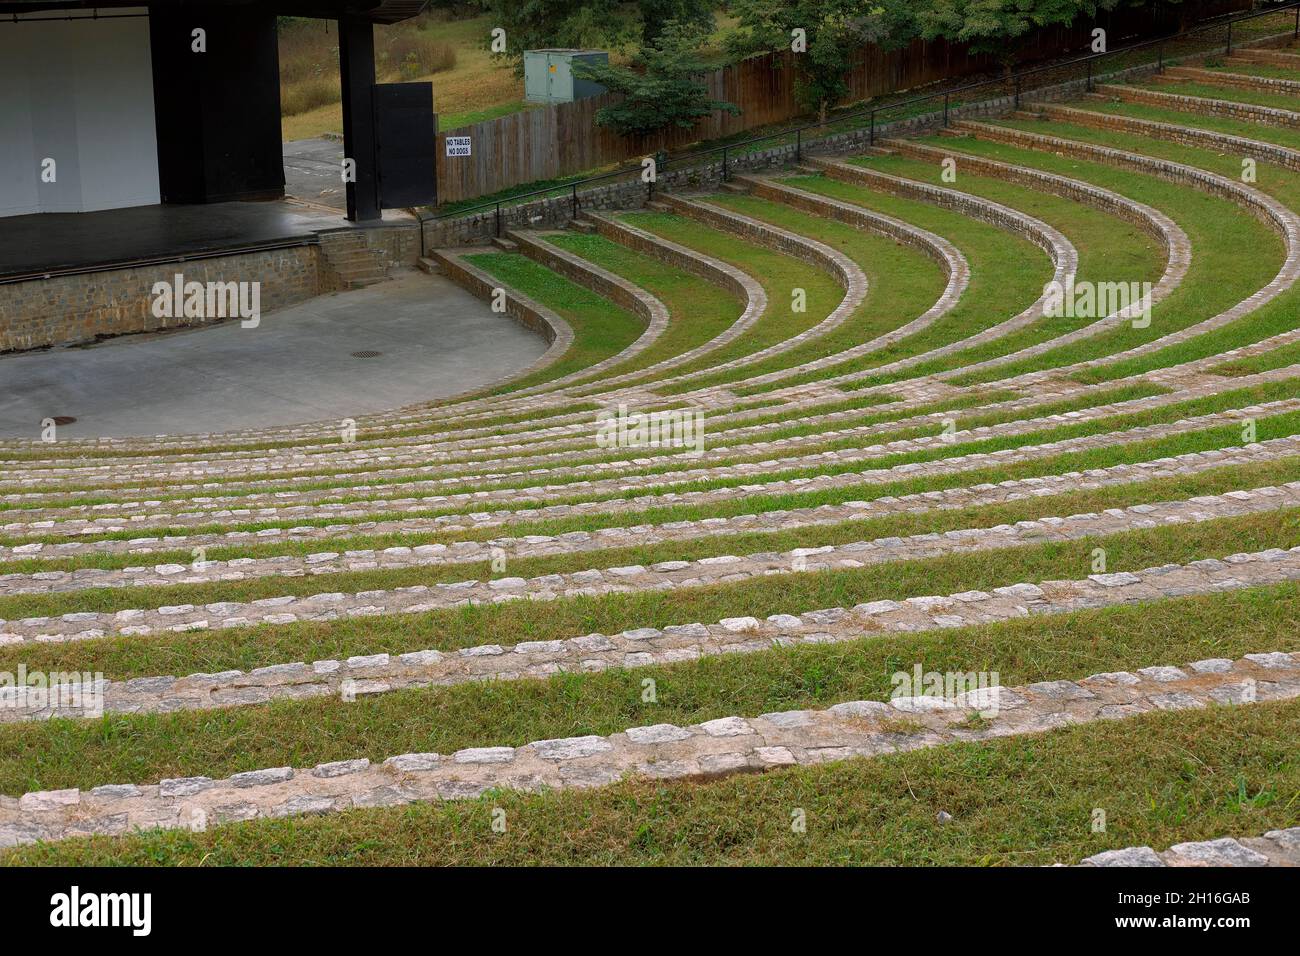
{"x":548,"y":75}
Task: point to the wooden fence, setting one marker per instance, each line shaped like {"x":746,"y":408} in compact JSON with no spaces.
{"x":552,"y":141}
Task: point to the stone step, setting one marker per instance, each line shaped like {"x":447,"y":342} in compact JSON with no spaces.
{"x":582,"y":225}
{"x":505,"y":245}
{"x":1265,"y":568}
{"x":734,"y":187}
{"x":430,"y":266}
{"x":1274,"y":848}
{"x":656,"y":206}
{"x":719,"y":747}
{"x":363,"y":260}
{"x":1286,"y":58}
{"x":363,"y":264}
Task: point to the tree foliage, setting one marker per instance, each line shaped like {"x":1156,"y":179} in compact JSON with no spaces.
{"x":835,"y":29}
{"x":538,"y":24}
{"x":657,"y":14}
{"x":832,"y":31}
{"x":1001,"y":27}
{"x":661,"y":86}
{"x":610,"y":24}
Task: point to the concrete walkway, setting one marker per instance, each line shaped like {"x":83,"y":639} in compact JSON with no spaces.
{"x":296,"y":366}
{"x":313,"y":171}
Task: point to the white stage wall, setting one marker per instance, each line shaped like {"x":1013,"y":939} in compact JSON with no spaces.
{"x":81,"y":93}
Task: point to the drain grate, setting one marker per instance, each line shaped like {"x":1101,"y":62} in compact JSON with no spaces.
{"x":63,"y":419}
{"x":367,"y":353}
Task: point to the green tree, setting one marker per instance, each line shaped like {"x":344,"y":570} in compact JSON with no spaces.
{"x":657,"y":14}
{"x":832,"y":30}
{"x":1001,"y":27}
{"x":661,"y":86}
{"x":536,"y":24}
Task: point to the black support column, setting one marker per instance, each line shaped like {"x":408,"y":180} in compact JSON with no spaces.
{"x":357,"y":72}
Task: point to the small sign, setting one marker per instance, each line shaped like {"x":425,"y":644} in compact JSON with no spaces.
{"x":458,"y":145}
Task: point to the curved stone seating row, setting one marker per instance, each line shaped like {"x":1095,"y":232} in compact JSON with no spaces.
{"x":1228,"y":109}
{"x":647,"y":647}
{"x":698,"y":572}
{"x":664,"y":492}
{"x":1174,"y":133}
{"x":126,"y":511}
{"x":943,"y":499}
{"x":1286,"y":221}
{"x":1241,"y":81}
{"x":712,"y":749}
{"x":1274,"y":848}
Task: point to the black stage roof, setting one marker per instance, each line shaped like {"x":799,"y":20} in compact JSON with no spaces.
{"x":378,"y":11}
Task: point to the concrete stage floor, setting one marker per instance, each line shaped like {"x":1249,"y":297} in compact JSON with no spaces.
{"x":296,"y":366}
{"x":52,"y":242}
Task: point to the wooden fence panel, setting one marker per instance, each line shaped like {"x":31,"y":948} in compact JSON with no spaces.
{"x":557,"y":140}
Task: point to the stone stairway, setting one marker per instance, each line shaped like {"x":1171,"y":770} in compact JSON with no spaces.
{"x":354,"y":264}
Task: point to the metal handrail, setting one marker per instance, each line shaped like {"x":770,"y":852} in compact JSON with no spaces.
{"x":1016,"y":79}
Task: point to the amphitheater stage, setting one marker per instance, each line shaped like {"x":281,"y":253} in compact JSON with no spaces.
{"x":434,"y":340}
{"x":56,"y":243}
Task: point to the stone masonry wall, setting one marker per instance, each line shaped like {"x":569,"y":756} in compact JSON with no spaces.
{"x":1223,"y":109}
{"x":72,"y":309}
{"x":65,"y":310}
{"x":1171,"y":132}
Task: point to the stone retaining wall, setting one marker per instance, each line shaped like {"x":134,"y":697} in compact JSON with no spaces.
{"x":66,"y":310}
{"x":73,"y":309}
{"x":529,"y":314}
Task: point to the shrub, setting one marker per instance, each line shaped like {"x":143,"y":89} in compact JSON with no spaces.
{"x":662,"y":87}
{"x":416,"y":53}
{"x":309,"y":94}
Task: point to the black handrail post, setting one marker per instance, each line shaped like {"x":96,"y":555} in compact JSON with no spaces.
{"x":498,"y":220}
{"x":725,"y":175}
{"x":798,"y":146}
{"x":871,"y":135}
{"x":1017,"y":92}
{"x":945,"y":110}
{"x":575,"y":200}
